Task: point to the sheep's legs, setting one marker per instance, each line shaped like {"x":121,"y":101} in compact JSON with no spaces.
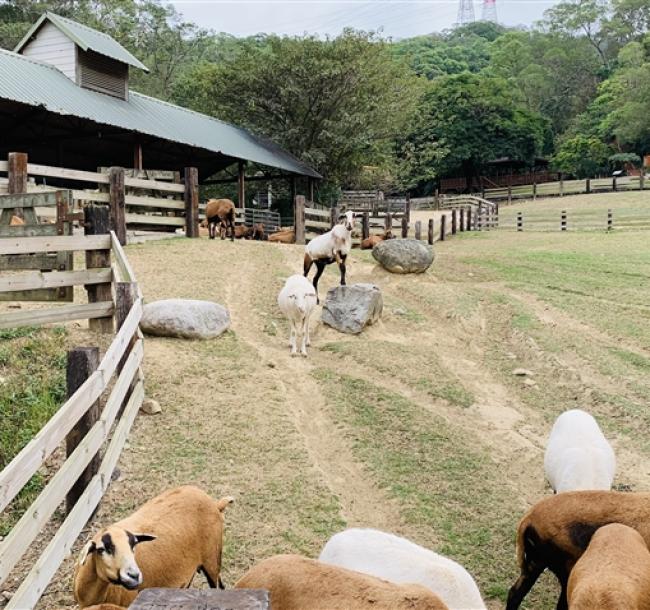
{"x":304,"y":336}
{"x":212,"y":228}
{"x":232,"y":229}
{"x":292,"y":338}
{"x":524,"y":584}
{"x":306,"y":332}
{"x":342,"y":268}
{"x":306,"y":265}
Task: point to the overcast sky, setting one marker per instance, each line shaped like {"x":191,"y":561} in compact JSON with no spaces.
{"x":398,"y":18}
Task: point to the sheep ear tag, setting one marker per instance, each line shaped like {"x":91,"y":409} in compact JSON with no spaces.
{"x":144,"y":538}
{"x":87,"y":550}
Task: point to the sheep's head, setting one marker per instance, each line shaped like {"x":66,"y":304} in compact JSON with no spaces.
{"x":113,"y":550}
{"x":301,"y":300}
{"x":348,"y":220}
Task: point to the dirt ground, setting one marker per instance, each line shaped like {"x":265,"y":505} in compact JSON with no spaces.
{"x":418,"y":426}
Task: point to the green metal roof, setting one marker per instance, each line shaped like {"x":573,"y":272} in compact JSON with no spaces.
{"x":84,"y":37}
{"x":37,"y":84}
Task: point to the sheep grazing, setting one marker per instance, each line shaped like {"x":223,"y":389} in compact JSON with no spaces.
{"x":400,"y":561}
{"x":297,"y":301}
{"x":257,"y":232}
{"x":163,"y":544}
{"x":286,"y":236}
{"x":221,"y":212}
{"x":329,"y":247}
{"x":613,"y":573}
{"x":298,"y":583}
{"x":578,"y":456}
{"x":370,"y":242}
{"x":555,"y":532}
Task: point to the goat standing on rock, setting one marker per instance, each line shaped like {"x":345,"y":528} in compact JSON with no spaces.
{"x":334,"y":245}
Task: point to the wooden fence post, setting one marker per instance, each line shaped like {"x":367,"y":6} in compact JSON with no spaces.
{"x":610,"y":220}
{"x":614,"y":183}
{"x":299,"y":219}
{"x":407,"y":208}
{"x":453,"y":222}
{"x":496,"y":215}
{"x":17,"y":176}
{"x":405,"y":227}
{"x":125,"y":295}
{"x":96,"y":222}
{"x":509,"y":194}
{"x":479,"y":217}
{"x":418,"y":229}
{"x":311,"y":188}
{"x":436,"y":201}
{"x":461,"y":219}
{"x":430,"y":235}
{"x":520,"y":221}
{"x":469,"y":218}
{"x":563,"y":221}
{"x":365,"y":226}
{"x":334,"y":216}
{"x":388,"y":222}
{"x":561,"y":185}
{"x":534,"y":190}
{"x":82,"y":363}
{"x":588,"y":186}
{"x":443,"y":222}
{"x":116,"y":196}
{"x":191,"y":202}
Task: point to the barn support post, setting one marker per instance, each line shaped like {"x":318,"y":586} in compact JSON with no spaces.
{"x":418,"y":230}
{"x":117,"y":196}
{"x":191,"y":177}
{"x":97,"y":222}
{"x":137,"y":155}
{"x":82,"y":363}
{"x":17,"y":175}
{"x":443,"y":223}
{"x":430,"y":234}
{"x":299,"y":219}
{"x":241,"y":185}
{"x":405,"y":227}
{"x":469,"y":218}
{"x":365,"y":226}
{"x":293,"y":187}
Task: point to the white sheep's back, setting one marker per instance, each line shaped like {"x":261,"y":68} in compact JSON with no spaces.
{"x":302,"y":288}
{"x":578,"y":456}
{"x":401,"y":561}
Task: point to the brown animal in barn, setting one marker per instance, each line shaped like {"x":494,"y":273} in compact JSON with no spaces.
{"x":222,"y":212}
{"x":287,"y":236}
{"x":16,"y":221}
{"x":370,"y":242}
{"x":258,"y":232}
{"x":556,"y":531}
{"x":242,"y":232}
{"x":613,"y":573}
{"x":298,"y":583}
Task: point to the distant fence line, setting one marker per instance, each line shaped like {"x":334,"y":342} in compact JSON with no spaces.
{"x":577,"y":220}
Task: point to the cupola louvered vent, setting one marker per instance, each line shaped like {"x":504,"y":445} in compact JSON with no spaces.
{"x":103,"y":74}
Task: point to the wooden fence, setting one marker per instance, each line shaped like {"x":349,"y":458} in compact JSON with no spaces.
{"x":561,"y":187}
{"x":601,"y":219}
{"x":176,"y":205}
{"x":85,"y":474}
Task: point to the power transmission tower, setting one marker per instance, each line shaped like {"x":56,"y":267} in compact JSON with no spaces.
{"x":465,"y":12}
{"x":489,"y":11}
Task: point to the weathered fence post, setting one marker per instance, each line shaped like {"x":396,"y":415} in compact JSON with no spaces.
{"x":509,"y":194}
{"x":443,"y":222}
{"x":299,"y":219}
{"x":407,"y":208}
{"x":365,"y":226}
{"x":191,"y":202}
{"x":469,"y":218}
{"x":561,"y":185}
{"x":388,"y":222}
{"x":610,"y":220}
{"x":117,"y":200}
{"x":125,"y":296}
{"x":588,"y":186}
{"x":405,"y":227}
{"x":430,"y":232}
{"x":96,"y":222}
{"x":334,"y":215}
{"x":479,"y":217}
{"x":17,"y":175}
{"x":496,"y":215}
{"x":563,"y":221}
{"x":436,"y":200}
{"x":520,"y":221}
{"x":461,"y":219}
{"x":534,"y":190}
{"x":82,"y":363}
{"x":418,"y":229}
{"x":614,"y":183}
{"x":453,"y":222}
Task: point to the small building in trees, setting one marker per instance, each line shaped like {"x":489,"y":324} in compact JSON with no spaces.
{"x":65,"y":100}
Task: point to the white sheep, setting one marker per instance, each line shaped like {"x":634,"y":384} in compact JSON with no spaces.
{"x":578,"y":456}
{"x":335,"y":245}
{"x":163,"y":544}
{"x":399,"y":560}
{"x":297,"y":301}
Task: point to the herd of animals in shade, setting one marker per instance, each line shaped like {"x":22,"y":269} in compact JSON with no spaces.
{"x":593,"y":539}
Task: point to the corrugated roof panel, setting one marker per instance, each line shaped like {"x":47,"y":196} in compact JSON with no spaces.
{"x":37,"y":84}
{"x":86,"y":38}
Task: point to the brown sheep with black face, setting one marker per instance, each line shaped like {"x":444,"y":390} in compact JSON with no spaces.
{"x":613,"y":573}
{"x":163,"y":544}
{"x":556,"y":531}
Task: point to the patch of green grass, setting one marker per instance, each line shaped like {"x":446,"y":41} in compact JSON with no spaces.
{"x":448,"y":488}
{"x":636,"y":360}
{"x":453,"y":393}
{"x":33,"y":387}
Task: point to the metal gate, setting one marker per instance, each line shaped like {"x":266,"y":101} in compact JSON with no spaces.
{"x":270,"y":220}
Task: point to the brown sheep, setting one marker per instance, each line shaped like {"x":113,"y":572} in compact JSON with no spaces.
{"x":370,"y":242}
{"x":222,"y":212}
{"x":163,"y":544}
{"x":287,"y":236}
{"x":258,"y":232}
{"x":298,"y":583}
{"x":613,"y":573}
{"x":555,"y":532}
{"x":16,"y":221}
{"x":242,"y":232}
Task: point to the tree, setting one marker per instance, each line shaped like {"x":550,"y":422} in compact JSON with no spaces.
{"x":338,"y":104}
{"x":581,"y":156}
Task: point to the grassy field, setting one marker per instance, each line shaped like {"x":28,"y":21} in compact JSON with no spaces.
{"x":417,"y":426}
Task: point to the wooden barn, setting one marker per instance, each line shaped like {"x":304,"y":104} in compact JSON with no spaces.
{"x":65,"y":100}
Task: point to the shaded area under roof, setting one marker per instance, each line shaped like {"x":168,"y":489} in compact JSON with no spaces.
{"x":84,"y":37}
{"x":30,"y":83}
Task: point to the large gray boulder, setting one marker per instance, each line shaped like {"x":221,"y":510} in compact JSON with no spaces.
{"x":349,"y":309}
{"x":184,"y":318}
{"x":403,"y":255}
